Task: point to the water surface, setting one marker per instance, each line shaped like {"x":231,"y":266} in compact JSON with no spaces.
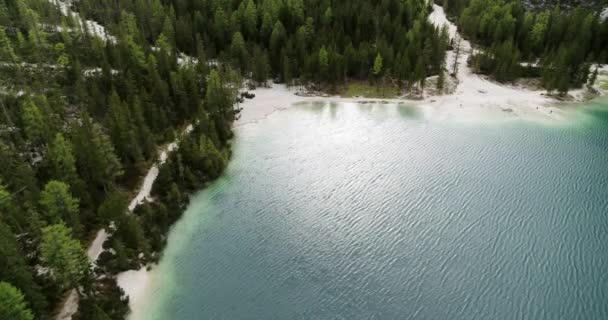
{"x":345,"y":211}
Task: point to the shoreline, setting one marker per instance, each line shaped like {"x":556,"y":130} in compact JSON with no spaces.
{"x":475,"y":99}
{"x":137,"y":283}
{"x":511,"y":103}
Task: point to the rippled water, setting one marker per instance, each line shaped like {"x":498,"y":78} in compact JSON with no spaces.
{"x":343,"y":211}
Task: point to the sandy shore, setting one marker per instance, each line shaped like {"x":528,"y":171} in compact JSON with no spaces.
{"x":136,"y":284}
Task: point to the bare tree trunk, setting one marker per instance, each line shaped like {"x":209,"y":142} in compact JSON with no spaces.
{"x":455,"y":68}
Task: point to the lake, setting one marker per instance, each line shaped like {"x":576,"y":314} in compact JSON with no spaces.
{"x":372,"y":211}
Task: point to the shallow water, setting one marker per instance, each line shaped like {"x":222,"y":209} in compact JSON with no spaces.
{"x":344,"y":211}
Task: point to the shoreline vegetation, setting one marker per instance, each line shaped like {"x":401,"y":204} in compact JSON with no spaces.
{"x":122,"y":79}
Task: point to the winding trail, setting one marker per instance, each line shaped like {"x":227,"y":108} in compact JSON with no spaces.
{"x":477,"y":92}
{"x":70,"y":306}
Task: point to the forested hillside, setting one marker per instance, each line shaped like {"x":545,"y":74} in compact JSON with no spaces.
{"x":318,"y":40}
{"x":83,"y":112}
{"x":561,"y":45}
{"x":81,"y":118}
{"x":564,"y":4}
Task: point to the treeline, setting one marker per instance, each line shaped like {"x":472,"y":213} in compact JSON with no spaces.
{"x":314,"y":40}
{"x":564,"y":42}
{"x":81,"y":119}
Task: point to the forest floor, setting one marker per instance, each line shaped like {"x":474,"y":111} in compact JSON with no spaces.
{"x":357,"y":89}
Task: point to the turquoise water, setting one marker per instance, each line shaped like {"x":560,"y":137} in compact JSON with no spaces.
{"x":343,"y":211}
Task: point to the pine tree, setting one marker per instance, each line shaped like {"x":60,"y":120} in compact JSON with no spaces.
{"x":267,"y":25}
{"x":592,"y":79}
{"x":62,"y":57}
{"x":58,"y":204}
{"x":64,"y":256}
{"x":440,"y":82}
{"x":277,"y":40}
{"x":238,"y":51}
{"x":250,"y":19}
{"x":35,"y":125}
{"x":95,"y":156}
{"x":327,"y":17}
{"x":216,"y":99}
{"x":144,"y":134}
{"x":123,"y":134}
{"x":113,"y":207}
{"x":6,"y":48}
{"x":18,"y":175}
{"x":162,"y":42}
{"x":420,"y":73}
{"x":62,"y":164}
{"x":220,"y":24}
{"x":12,"y":304}
{"x":14,"y":269}
{"x":261,"y":66}
{"x":377,"y":71}
{"x":129,"y":230}
{"x":323,"y":64}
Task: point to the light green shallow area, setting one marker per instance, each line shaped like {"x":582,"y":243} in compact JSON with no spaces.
{"x":346,"y":211}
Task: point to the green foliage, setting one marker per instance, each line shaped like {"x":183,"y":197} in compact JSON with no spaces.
{"x":63,"y":58}
{"x":441,"y":82}
{"x":12,"y":304}
{"x":64,"y":256}
{"x":323,"y":63}
{"x":6,"y":48}
{"x":564,"y":41}
{"x":14,"y":269}
{"x":108,"y":302}
{"x":216,"y":98}
{"x":364,"y":89}
{"x":96,"y":159}
{"x":34,"y":122}
{"x":123,"y":134}
{"x":62,"y":163}
{"x":250,"y":19}
{"x":592,"y":78}
{"x":261,"y":66}
{"x":113,"y":207}
{"x":18,"y":176}
{"x":501,"y":61}
{"x":377,"y":65}
{"x":238,"y":51}
{"x":57,"y":205}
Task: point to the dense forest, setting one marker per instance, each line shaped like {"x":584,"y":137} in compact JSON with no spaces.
{"x":560,"y":45}
{"x":315,"y":40}
{"x":84,"y":111}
